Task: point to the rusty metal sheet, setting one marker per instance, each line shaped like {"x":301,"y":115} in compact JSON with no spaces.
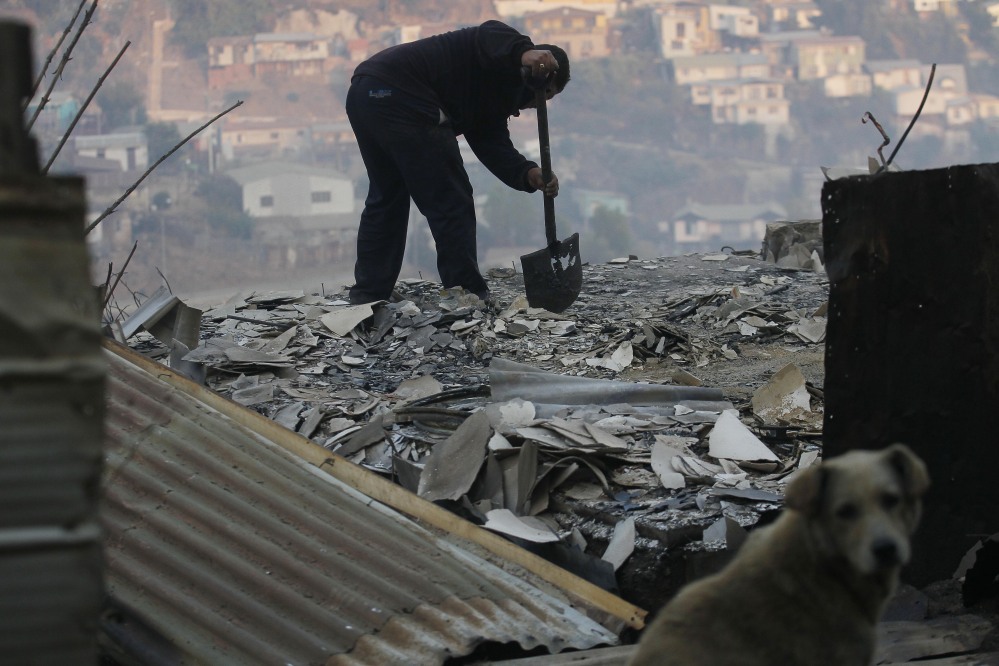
{"x":238,"y":552}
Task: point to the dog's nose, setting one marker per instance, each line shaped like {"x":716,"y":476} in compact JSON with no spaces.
{"x":885,"y":552}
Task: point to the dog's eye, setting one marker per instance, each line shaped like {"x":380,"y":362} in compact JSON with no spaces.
{"x":890,"y":500}
{"x":848,"y":512}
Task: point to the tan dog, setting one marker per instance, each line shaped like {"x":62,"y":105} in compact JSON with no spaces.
{"x":810,"y":588}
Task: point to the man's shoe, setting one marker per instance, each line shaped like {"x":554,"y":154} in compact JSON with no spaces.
{"x":355,"y":298}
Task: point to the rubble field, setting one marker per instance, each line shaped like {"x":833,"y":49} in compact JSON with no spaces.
{"x":633,"y":439}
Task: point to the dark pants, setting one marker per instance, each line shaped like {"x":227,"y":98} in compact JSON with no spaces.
{"x":408,"y":152}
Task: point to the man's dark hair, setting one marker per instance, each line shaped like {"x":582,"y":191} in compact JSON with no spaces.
{"x":562,"y":76}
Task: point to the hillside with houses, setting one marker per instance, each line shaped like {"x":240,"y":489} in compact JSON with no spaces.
{"x":687,"y":126}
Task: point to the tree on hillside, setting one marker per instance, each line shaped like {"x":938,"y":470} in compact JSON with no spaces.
{"x":162,"y":137}
{"x":629,"y":169}
{"x":872,"y":20}
{"x":851,"y":17}
{"x":935,"y":40}
{"x":980,"y":27}
{"x":609,"y":235}
{"x":984,"y":142}
{"x":121,"y":105}
{"x":890,"y":34}
{"x":221,"y":190}
{"x":512,"y":218}
{"x":615,"y":97}
{"x":984,"y":76}
{"x":223,"y":199}
{"x":638,"y":33}
{"x":197,"y":21}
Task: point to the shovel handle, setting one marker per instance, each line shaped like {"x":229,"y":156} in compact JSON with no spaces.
{"x":541,"y":102}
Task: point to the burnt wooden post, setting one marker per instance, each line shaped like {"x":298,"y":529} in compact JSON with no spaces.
{"x":51,"y":397}
{"x":912,"y":346}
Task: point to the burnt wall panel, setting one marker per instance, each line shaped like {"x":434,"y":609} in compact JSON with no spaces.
{"x":51,"y":396}
{"x":912,"y":344}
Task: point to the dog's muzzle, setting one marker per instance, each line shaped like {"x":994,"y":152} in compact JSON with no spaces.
{"x":886,"y":553}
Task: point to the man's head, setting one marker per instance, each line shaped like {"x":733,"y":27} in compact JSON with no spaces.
{"x":562,"y":75}
{"x":556,"y":83}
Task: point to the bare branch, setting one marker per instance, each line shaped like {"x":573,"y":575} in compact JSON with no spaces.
{"x":55,"y":49}
{"x":165,"y":281}
{"x":926,"y":93}
{"x":62,"y":64}
{"x":121,"y":274}
{"x":79,"y":114}
{"x":112,"y":207}
{"x":107,"y":281}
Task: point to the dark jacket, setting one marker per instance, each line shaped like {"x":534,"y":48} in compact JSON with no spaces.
{"x":473,"y":76}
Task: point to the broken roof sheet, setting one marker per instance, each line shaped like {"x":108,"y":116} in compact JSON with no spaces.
{"x":237,"y":551}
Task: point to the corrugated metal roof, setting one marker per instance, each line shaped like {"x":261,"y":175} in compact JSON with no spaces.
{"x":239,"y":552}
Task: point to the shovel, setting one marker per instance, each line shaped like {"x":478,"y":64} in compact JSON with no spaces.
{"x":553,"y":275}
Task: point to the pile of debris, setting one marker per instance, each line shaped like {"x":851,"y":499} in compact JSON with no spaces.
{"x":631,"y":439}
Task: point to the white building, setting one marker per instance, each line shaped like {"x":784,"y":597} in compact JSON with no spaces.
{"x":705,"y":228}
{"x":891,"y":74}
{"x":847,"y":85}
{"x":719,"y":67}
{"x":129,"y":149}
{"x":737,"y":21}
{"x":283,"y":189}
{"x":516,"y":9}
{"x":745,"y":102}
{"x":793,"y":14}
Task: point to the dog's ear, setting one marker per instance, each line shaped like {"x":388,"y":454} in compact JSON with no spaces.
{"x":804,"y":492}
{"x":910,"y":468}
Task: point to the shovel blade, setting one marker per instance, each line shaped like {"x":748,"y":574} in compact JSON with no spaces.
{"x":552,"y":280}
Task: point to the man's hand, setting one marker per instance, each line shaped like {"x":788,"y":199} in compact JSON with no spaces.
{"x":542,"y":63}
{"x":537,"y":181}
